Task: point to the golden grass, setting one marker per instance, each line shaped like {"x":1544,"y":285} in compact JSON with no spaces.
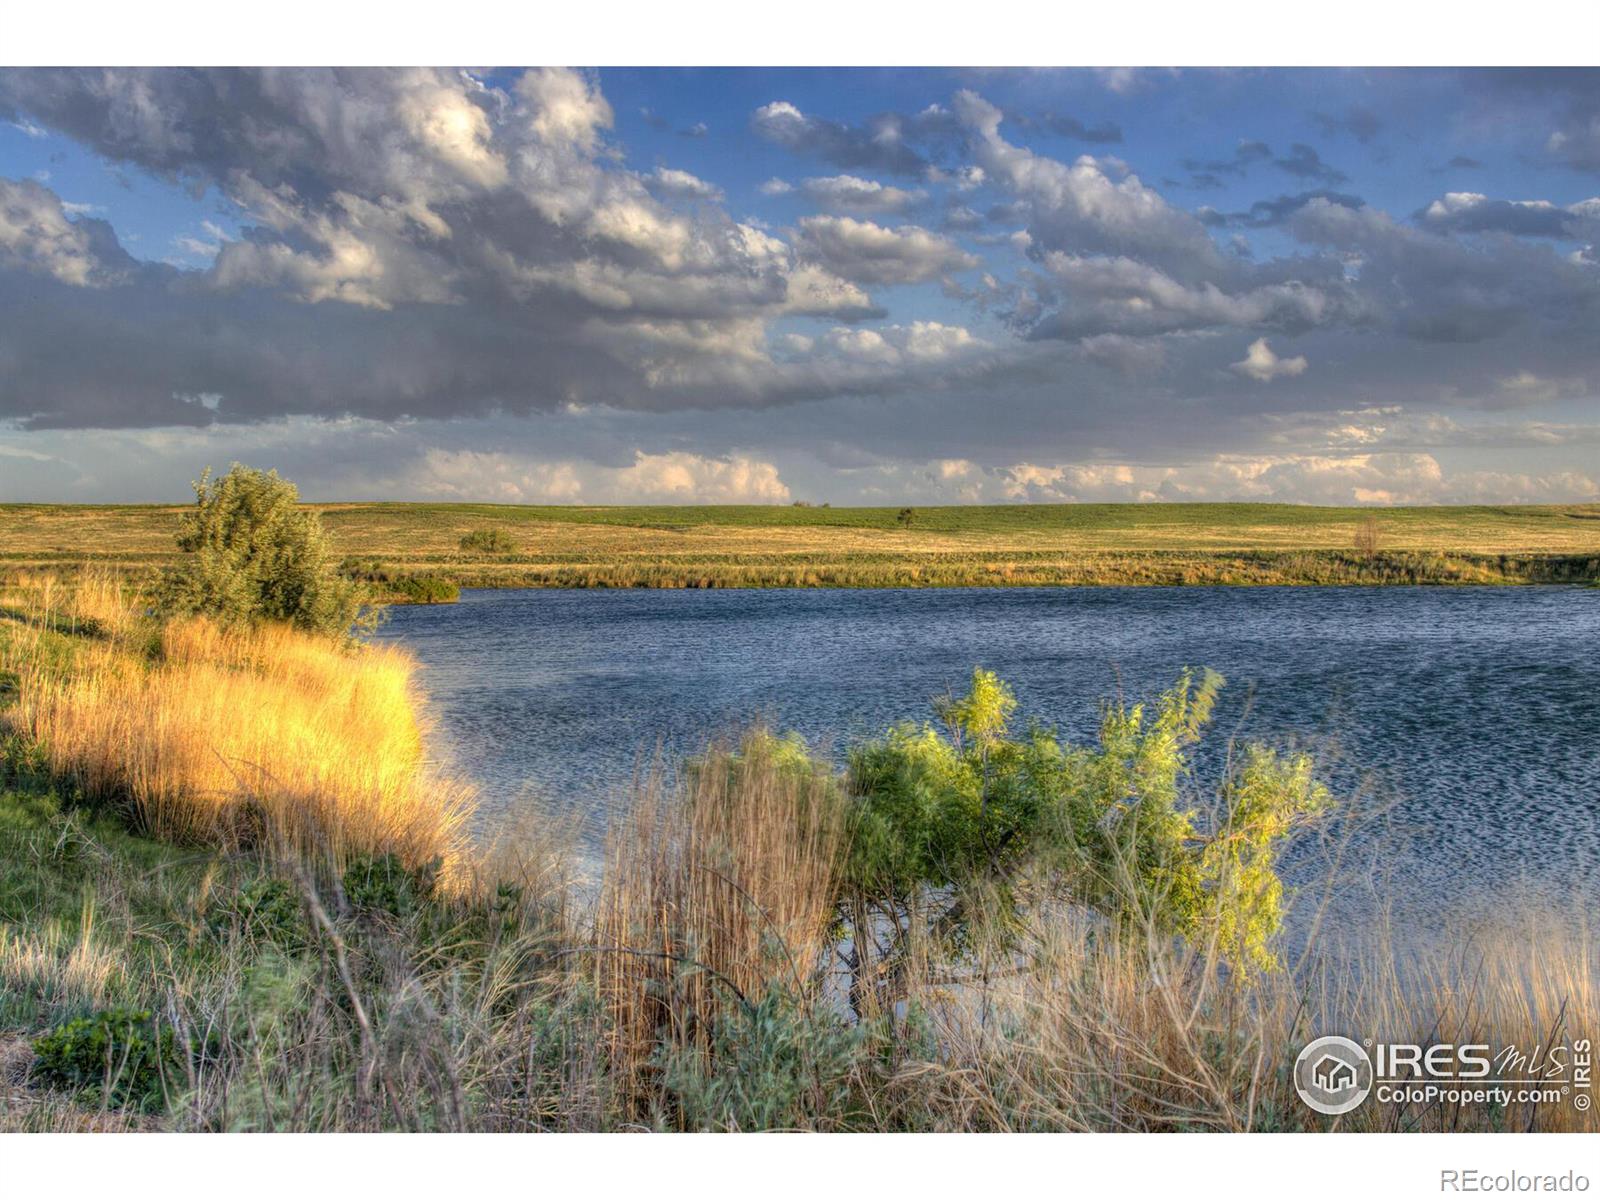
{"x":229,"y":737}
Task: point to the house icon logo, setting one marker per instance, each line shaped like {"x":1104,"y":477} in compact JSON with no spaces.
{"x":1333,"y":1075}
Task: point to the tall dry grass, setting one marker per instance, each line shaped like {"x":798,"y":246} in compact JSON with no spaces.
{"x":1095,"y":1033}
{"x":228,"y":737}
{"x":714,"y":893}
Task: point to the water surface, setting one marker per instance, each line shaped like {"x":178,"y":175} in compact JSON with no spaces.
{"x":1473,"y":713}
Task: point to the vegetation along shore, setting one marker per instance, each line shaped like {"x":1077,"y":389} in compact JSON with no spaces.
{"x":423,"y":552}
{"x":237,"y":894}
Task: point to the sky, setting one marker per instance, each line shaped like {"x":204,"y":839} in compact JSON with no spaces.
{"x":767,"y":286}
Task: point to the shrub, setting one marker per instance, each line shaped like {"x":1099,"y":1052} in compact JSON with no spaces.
{"x":970,"y":810}
{"x":252,"y":554}
{"x":121,"y":1053}
{"x":424,"y":589}
{"x":906,"y":518}
{"x":489,"y":541}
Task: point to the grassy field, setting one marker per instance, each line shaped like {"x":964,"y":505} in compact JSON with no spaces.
{"x":771,"y":546}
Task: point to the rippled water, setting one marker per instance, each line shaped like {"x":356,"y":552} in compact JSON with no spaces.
{"x":1473,"y":713}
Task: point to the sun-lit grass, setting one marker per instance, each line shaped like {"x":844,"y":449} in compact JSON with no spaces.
{"x":227,"y":737}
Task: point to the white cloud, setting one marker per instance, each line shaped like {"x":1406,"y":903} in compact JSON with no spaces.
{"x":849,"y":193}
{"x":674,"y":477}
{"x":1262,"y":365}
{"x":872,"y":253}
{"x":37,"y":236}
{"x":682,"y":184}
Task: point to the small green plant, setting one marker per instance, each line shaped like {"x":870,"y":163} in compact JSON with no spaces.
{"x":265,"y":910}
{"x":384,"y":885}
{"x":771,"y":1065}
{"x":123,"y":1055}
{"x":488,"y":541}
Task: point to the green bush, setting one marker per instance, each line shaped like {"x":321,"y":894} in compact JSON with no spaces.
{"x":251,"y":553}
{"x":424,"y":589}
{"x":489,"y":541}
{"x":970,"y":810}
{"x":121,"y":1054}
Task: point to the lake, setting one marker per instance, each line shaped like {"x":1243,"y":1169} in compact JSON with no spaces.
{"x":1471,"y":714}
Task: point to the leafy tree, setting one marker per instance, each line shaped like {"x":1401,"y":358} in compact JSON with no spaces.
{"x":906,"y":518}
{"x":251,"y":553}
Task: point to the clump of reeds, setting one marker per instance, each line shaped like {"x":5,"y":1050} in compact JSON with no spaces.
{"x":715,"y":892}
{"x":229,"y":736}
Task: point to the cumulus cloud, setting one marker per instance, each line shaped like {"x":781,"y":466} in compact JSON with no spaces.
{"x":881,"y":145}
{"x":675,"y":477}
{"x":1473,"y":212}
{"x":1083,"y":206}
{"x":429,"y":251}
{"x":514,"y":266}
{"x":875,"y":254}
{"x":1123,"y":295}
{"x":671,"y":182}
{"x":849,"y":193}
{"x":1263,"y":365}
{"x":1360,"y":479}
{"x":38,"y":235}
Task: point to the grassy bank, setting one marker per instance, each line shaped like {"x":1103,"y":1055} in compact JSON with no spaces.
{"x":732,"y":967}
{"x":416,"y":552}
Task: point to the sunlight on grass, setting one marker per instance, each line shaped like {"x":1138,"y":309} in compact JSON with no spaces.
{"x":227,"y":737}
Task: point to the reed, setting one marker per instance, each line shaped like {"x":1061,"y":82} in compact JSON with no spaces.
{"x":715,"y":893}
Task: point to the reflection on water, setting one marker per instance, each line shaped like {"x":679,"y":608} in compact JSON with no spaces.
{"x":1473,"y":713}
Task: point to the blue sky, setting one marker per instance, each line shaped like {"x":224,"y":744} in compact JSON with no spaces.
{"x":850,"y":285}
